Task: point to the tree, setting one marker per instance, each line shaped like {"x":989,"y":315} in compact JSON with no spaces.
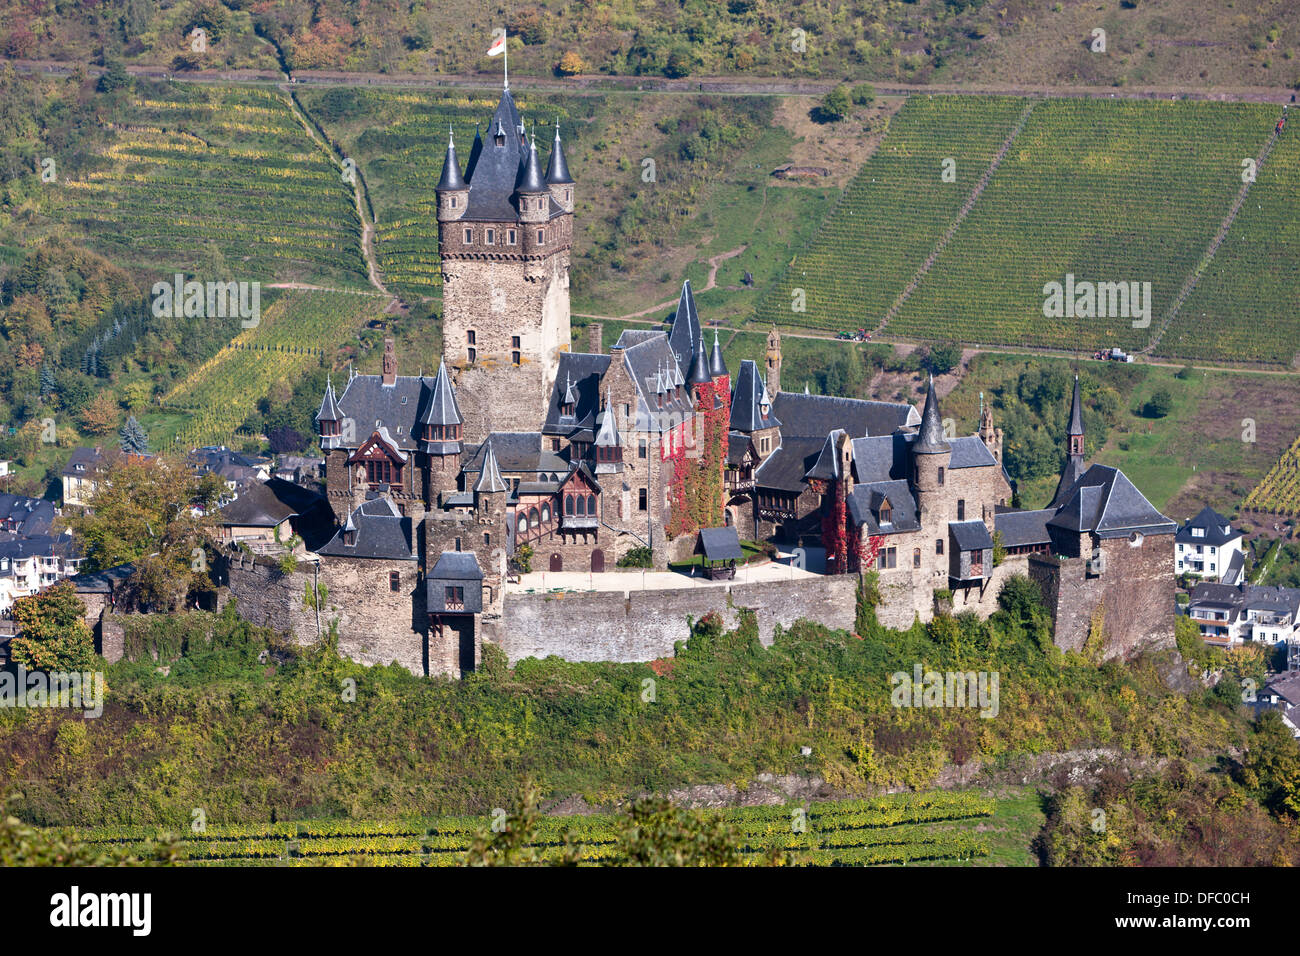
{"x":944,"y":358}
{"x":658,"y":834}
{"x":834,"y":106}
{"x":133,"y":439}
{"x":48,"y":385}
{"x":1160,"y":404}
{"x":1271,"y":766}
{"x":101,"y":415}
{"x":142,"y":513}
{"x":571,"y":64}
{"x":115,"y":78}
{"x":52,"y":628}
{"x":864,"y":94}
{"x":678,"y":65}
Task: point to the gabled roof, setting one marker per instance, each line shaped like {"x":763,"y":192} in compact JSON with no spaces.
{"x":747,"y":400}
{"x":381,"y":533}
{"x":264,"y":505}
{"x":739,"y":446}
{"x":630,"y":337}
{"x":83,"y":462}
{"x":1212,"y":524}
{"x":1106,"y":503}
{"x":865,"y":501}
{"x":882,"y":457}
{"x":27,"y":516}
{"x":785,"y":468}
{"x":827,"y":465}
{"x":969,"y":451}
{"x":518,"y":454}
{"x":646,"y":363}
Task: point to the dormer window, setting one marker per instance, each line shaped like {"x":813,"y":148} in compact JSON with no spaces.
{"x":350,"y":537}
{"x":886,"y":513}
{"x":1198,"y":532}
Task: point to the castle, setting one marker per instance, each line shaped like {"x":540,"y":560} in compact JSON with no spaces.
{"x":520,"y":452}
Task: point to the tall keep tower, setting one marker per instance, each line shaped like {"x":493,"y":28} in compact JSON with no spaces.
{"x":505,"y":229}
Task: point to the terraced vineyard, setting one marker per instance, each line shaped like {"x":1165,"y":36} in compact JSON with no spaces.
{"x":1108,"y":191}
{"x":1243,"y":308}
{"x":893,"y":212}
{"x":399,"y":139}
{"x":297,"y":332}
{"x":1279,"y":491}
{"x":219,"y":178}
{"x":888,"y":830}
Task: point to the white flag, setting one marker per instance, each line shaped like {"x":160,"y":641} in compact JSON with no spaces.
{"x":498,"y":46}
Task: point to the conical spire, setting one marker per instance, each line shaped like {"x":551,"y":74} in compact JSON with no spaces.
{"x":530,"y":179}
{"x":443,"y":408}
{"x":1076,"y":412}
{"x":699,"y":373}
{"x":930,"y":440}
{"x":717,"y":367}
{"x":329,"y":409}
{"x":608,"y":434}
{"x":489,"y":480}
{"x":557,"y":170}
{"x":451,"y":178}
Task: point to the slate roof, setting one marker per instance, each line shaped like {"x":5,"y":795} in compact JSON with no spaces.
{"x":400,"y":407}
{"x":261,"y":506}
{"x":931,"y":440}
{"x":83,"y":462}
{"x":1106,"y":503}
{"x":1233,"y":572}
{"x":1212,"y":523}
{"x":685,"y":334}
{"x":381,"y":532}
{"x":457,"y":566}
{"x":865,"y":501}
{"x":1020,"y":529}
{"x":630,"y":337}
{"x":882,"y":457}
{"x":785,"y":468}
{"x":102,"y":582}
{"x":827,"y":465}
{"x":26,"y":516}
{"x":717,"y":366}
{"x":493,"y":170}
{"x":20,"y":547}
{"x":557,"y":170}
{"x":720,"y":544}
{"x":531,"y":179}
{"x":1076,"y":412}
{"x":451,"y":177}
{"x":747,"y":396}
{"x":737,"y":444}
{"x":647,"y":362}
{"x":518,"y":454}
{"x":970,"y":535}
{"x":489,"y":479}
{"x":1070,"y":475}
{"x":815,"y":416}
{"x":584,"y":371}
{"x":970,"y":451}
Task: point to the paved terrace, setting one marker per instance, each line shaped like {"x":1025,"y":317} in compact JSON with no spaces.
{"x":637,"y":579}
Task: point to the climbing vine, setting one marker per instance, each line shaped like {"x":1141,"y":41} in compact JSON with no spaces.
{"x":695,"y":490}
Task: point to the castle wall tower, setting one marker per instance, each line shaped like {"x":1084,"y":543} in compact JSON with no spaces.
{"x":991,"y":436}
{"x":505,"y":270}
{"x":773,"y":362}
{"x":931,"y":461}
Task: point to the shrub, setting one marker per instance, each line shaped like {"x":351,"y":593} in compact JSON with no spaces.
{"x":637,"y":558}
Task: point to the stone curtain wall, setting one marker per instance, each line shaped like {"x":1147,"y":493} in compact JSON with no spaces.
{"x":644,"y":625}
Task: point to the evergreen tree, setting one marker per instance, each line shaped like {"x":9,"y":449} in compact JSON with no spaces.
{"x":48,"y":386}
{"x":133,"y":437}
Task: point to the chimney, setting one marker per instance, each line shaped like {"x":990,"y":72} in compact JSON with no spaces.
{"x":595,"y":332}
{"x":390,"y":363}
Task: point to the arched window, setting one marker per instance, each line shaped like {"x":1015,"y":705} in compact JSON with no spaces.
{"x":916,"y":557}
{"x":532,"y":518}
{"x":582,"y":505}
{"x":568,"y":504}
{"x":591,"y":505}
{"x":546,"y":513}
{"x":523,"y":524}
{"x":941,"y":476}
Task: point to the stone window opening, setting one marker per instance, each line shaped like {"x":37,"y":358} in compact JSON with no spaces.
{"x":642,"y":499}
{"x":490,"y":236}
{"x":941,"y":475}
{"x":470,"y":337}
{"x":395,"y":580}
{"x":540,"y":237}
{"x":511,"y":237}
{"x":641,"y":449}
{"x":938,"y":545}
{"x":916,"y":557}
{"x":469,"y":237}
{"x":473,"y":355}
{"x":961,"y":509}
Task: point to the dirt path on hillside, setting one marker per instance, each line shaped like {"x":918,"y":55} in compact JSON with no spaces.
{"x":710,"y":282}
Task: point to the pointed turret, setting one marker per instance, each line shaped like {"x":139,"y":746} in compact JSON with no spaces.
{"x":930,"y":440}
{"x":609,"y":451}
{"x":685,"y":333}
{"x":489,"y":479}
{"x":717,"y":367}
{"x":557,"y":170}
{"x":451,"y":178}
{"x":474,"y":150}
{"x":530,"y":178}
{"x":1076,"y":413}
{"x":699,"y":373}
{"x":1074,"y":463}
{"x":328,"y":418}
{"x":440,"y":420}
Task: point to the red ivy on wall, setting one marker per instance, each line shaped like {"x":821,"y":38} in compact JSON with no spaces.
{"x":695,"y":490}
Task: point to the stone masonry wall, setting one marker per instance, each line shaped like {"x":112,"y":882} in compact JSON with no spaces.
{"x":644,"y":625}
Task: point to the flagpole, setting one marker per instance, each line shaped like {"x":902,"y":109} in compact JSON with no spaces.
{"x":505,"y":53}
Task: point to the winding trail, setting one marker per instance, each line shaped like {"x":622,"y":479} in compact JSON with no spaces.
{"x":709,"y":283}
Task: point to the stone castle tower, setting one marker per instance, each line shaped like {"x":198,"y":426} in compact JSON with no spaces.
{"x":773,"y":362}
{"x":505,"y":229}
